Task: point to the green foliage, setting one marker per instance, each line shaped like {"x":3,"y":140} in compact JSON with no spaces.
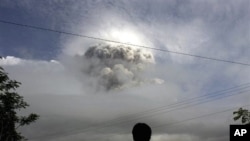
{"x":242,"y":114}
{"x":10,"y":102}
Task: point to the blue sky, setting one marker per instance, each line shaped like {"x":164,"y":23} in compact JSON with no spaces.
{"x":53,"y":83}
{"x":29,"y":43}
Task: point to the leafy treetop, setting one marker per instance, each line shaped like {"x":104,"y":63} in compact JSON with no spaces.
{"x":10,"y":102}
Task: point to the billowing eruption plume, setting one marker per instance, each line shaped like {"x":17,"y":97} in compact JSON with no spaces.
{"x":117,"y":67}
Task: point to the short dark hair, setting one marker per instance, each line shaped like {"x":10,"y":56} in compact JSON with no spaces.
{"x":141,"y":132}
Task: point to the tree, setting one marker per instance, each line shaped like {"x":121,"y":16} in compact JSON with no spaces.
{"x":244,"y":115}
{"x":10,"y":102}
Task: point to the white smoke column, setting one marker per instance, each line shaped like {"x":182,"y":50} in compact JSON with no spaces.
{"x":117,"y":66}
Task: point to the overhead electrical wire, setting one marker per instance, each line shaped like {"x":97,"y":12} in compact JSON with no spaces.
{"x":189,"y":100}
{"x":113,"y":41}
{"x":183,"y":103}
{"x":185,"y":120}
{"x":197,"y":117}
{"x":193,"y":118}
{"x":188,"y":119}
{"x":177,"y":107}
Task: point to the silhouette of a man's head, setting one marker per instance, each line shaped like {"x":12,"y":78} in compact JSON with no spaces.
{"x":141,"y":132}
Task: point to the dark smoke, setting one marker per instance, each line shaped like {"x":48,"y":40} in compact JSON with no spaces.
{"x":117,"y":67}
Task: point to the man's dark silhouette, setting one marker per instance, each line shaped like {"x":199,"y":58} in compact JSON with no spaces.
{"x":141,"y":132}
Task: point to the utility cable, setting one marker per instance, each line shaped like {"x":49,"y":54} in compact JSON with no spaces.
{"x":202,"y":116}
{"x":172,"y":110}
{"x":72,"y":132}
{"x":118,"y":42}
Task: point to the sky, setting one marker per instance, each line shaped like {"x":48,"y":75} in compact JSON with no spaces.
{"x":71,"y":90}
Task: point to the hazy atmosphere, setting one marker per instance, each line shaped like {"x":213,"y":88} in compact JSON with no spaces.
{"x":128,"y":61}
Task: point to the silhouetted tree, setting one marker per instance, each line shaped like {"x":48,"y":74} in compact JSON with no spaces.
{"x":10,"y":102}
{"x":242,"y":114}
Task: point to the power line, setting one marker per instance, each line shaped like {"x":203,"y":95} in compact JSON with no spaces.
{"x":183,"y":106}
{"x":189,"y":100}
{"x":118,"y":42}
{"x":202,"y":116}
{"x":178,"y":107}
{"x":193,"y":118}
{"x":189,"y":119}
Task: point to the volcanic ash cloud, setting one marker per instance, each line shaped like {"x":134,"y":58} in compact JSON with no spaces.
{"x":117,"y":67}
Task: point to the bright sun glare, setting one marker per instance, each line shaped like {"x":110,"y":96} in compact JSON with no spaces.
{"x":126,"y":36}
